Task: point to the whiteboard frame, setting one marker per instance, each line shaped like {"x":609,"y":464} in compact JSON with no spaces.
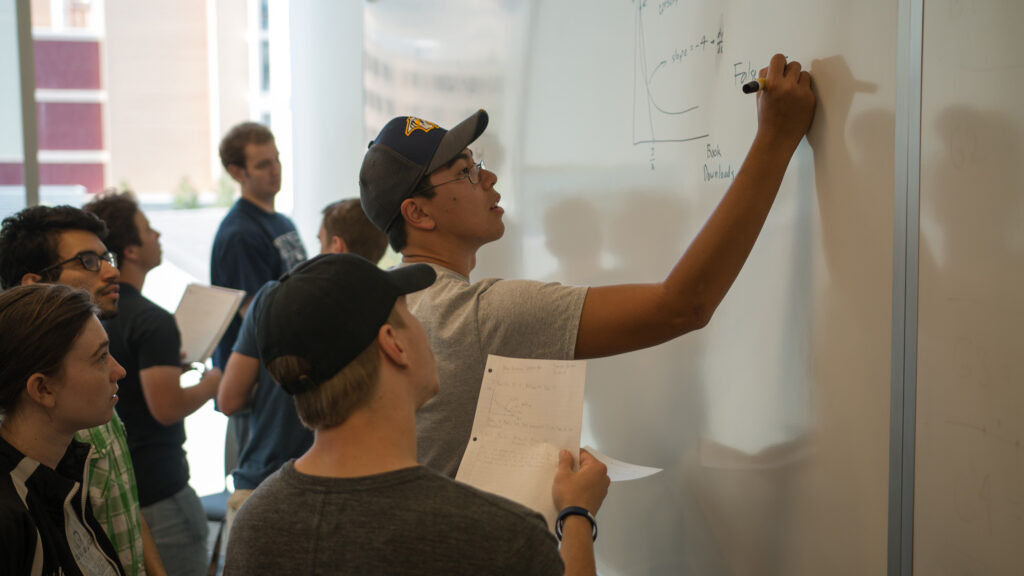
{"x":906,"y":244}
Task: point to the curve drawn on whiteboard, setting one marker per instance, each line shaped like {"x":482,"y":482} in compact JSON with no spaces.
{"x":653,"y":102}
{"x":646,"y":108}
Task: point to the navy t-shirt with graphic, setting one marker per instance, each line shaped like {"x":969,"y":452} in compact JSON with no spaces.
{"x":251,"y":248}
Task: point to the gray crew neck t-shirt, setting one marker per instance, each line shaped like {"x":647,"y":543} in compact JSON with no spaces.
{"x":408,"y":522}
{"x":467,"y":321}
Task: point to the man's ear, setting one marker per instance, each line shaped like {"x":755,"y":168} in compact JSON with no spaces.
{"x":130,"y":253}
{"x":414,"y":212}
{"x":31,"y":278}
{"x":391,"y":345}
{"x":40,"y":389}
{"x":338,"y":245}
{"x":236,"y":172}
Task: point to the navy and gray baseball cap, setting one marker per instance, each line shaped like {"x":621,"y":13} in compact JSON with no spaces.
{"x":406,"y":150}
{"x":327,"y":310}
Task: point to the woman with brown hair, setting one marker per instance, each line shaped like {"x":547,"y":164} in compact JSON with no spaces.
{"x":56,"y":377}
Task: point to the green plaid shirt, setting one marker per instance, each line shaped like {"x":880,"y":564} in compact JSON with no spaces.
{"x":113,"y":493}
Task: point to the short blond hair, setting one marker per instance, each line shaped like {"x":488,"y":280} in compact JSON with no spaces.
{"x":331,"y":403}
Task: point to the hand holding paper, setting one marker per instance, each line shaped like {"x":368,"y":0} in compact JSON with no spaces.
{"x":585,"y":487}
{"x":528,"y":411}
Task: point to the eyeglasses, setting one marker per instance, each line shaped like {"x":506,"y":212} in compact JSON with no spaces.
{"x":90,"y":260}
{"x":472,"y":174}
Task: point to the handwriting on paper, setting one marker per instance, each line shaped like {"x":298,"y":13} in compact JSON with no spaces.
{"x":527,"y":411}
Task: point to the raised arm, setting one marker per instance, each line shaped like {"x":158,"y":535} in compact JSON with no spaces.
{"x":617,"y":319}
{"x":585,"y":488}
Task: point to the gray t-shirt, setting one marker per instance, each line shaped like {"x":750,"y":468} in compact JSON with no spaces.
{"x":465,"y":322}
{"x":407,"y":522}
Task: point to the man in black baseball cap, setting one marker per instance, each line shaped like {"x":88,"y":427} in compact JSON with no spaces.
{"x":336,"y":334}
{"x":438,"y":204}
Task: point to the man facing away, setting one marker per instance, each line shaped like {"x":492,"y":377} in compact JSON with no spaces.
{"x":336,"y":334}
{"x":64,"y":245}
{"x":146,"y":341}
{"x":275,"y":433}
{"x":422,"y":186}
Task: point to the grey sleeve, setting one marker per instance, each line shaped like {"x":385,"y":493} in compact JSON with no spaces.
{"x":528,"y":319}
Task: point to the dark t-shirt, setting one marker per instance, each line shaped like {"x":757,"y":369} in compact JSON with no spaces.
{"x":276,"y":435}
{"x":250,"y":249}
{"x":144,"y":335}
{"x":407,"y":522}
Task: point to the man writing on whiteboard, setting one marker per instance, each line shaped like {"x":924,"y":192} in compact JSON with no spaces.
{"x":422,"y":186}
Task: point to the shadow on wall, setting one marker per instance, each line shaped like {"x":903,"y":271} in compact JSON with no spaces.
{"x":639,"y":239}
{"x":574,"y":235}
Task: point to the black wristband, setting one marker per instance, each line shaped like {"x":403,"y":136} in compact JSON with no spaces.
{"x":574,"y":511}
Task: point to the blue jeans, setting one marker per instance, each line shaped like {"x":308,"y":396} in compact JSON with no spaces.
{"x":178,"y":525}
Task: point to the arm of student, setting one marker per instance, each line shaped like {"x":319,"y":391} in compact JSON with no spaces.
{"x":150,"y":555}
{"x":240,"y":375}
{"x":622,"y":318}
{"x":244,"y":307}
{"x":586,"y":488}
{"x":167,"y":401}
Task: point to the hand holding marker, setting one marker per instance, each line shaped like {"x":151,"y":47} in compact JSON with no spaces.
{"x":756,"y":85}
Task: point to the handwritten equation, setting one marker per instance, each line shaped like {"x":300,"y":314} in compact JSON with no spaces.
{"x":716,"y":43}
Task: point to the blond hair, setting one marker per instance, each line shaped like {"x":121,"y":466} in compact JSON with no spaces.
{"x":332,"y":402}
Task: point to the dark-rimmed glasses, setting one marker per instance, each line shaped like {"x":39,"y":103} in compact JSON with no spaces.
{"x":471,"y":173}
{"x":90,"y":260}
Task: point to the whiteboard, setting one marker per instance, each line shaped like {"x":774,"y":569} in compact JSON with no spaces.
{"x":772,"y":422}
{"x":969,"y":479}
{"x":616,"y":127}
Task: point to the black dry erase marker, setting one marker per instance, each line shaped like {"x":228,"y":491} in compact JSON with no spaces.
{"x":753,"y":86}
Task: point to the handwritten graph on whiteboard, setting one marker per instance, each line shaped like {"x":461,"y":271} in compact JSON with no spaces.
{"x":675,"y":57}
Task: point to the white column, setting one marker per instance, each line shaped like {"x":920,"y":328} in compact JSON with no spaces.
{"x":327,"y":108}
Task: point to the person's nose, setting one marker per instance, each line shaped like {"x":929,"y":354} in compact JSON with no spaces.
{"x":488,"y":178}
{"x":109,"y":272}
{"x":117,"y":371}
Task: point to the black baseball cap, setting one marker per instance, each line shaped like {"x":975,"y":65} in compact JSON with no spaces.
{"x":406,"y":150}
{"x":327,"y":310}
